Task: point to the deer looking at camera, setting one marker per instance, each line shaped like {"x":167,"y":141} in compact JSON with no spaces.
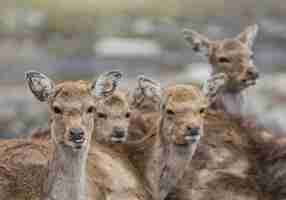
{"x":55,"y":169}
{"x":52,"y":170}
{"x":170,"y":141}
{"x":108,"y":167}
{"x":231,"y":61}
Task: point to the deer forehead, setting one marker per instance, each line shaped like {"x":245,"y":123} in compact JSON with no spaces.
{"x":190,"y":107}
{"x":116,"y":102}
{"x":230,"y":46}
{"x":183,"y":93}
{"x":72,"y":95}
{"x":71,"y":89}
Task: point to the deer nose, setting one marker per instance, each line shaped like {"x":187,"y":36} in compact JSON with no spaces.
{"x":192,"y":131}
{"x":253,"y":73}
{"x":118,"y":132}
{"x":76,"y":134}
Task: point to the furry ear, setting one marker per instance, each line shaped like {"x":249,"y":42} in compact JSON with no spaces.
{"x":248,"y":35}
{"x":146,"y":88}
{"x":149,"y":87}
{"x":214,"y":86}
{"x":199,"y":43}
{"x":41,"y":86}
{"x":106,"y":84}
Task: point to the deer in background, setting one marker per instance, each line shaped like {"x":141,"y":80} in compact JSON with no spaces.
{"x":232,"y":162}
{"x":232,"y":63}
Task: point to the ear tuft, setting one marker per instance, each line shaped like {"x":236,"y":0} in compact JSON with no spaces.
{"x":249,"y":35}
{"x":106,"y":84}
{"x":40,"y":85}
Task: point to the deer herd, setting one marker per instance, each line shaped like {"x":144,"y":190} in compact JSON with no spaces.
{"x":179,"y":142}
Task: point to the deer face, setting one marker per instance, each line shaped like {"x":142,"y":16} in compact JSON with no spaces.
{"x":112,"y":110}
{"x":112,"y":119}
{"x":182,"y":111}
{"x":233,"y":57}
{"x":71,"y":108}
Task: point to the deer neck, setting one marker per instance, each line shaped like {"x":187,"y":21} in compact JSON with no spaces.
{"x":167,"y":164}
{"x":66,"y":178}
{"x":232,"y":103}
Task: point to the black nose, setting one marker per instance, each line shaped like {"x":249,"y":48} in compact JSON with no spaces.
{"x":253,"y":73}
{"x":193,"y":131}
{"x":118,"y":132}
{"x":76,"y":134}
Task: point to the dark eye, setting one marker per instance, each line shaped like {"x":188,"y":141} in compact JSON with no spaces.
{"x":91,"y":109}
{"x":170,"y":112}
{"x":102,"y":115}
{"x":127,"y":115}
{"x":202,"y":110}
{"x":252,"y":56}
{"x":223,"y":60}
{"x":57,"y":110}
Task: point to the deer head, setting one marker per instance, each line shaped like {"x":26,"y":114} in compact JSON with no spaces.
{"x":182,"y":111}
{"x":234,"y":57}
{"x":112,"y":113}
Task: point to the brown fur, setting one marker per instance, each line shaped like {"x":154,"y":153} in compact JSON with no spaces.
{"x":271,"y":171}
{"x":231,"y":163}
{"x":164,"y":154}
{"x":106,"y":153}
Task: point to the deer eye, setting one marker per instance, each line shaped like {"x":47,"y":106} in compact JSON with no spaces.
{"x":202,"y":111}
{"x":127,"y":115}
{"x":224,"y":60}
{"x":170,"y":112}
{"x":102,"y":115}
{"x":57,"y":110}
{"x":91,"y":109}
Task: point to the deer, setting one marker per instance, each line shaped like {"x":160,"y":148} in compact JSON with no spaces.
{"x":108,"y":155}
{"x":56,"y":168}
{"x":231,"y":60}
{"x":111,"y":121}
{"x":167,"y":146}
{"x":232,"y":162}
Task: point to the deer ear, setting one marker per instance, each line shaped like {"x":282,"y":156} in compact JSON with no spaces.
{"x":146,"y":88}
{"x":149,"y":87}
{"x":199,"y":43}
{"x":41,"y":86}
{"x":213,"y":87}
{"x":248,"y":35}
{"x":106,"y":84}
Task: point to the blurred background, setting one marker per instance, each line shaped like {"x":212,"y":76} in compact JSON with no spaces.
{"x":72,"y":39}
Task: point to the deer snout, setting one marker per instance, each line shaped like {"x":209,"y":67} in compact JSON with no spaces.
{"x":253,"y":73}
{"x":192,"y":134}
{"x":77,"y":135}
{"x":119,"y":134}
